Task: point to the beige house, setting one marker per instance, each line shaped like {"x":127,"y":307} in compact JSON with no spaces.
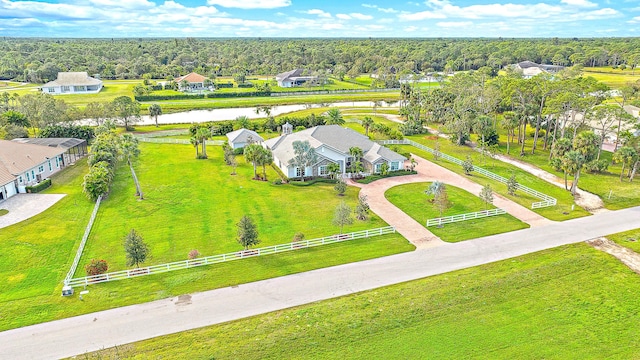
{"x":73,"y":83}
{"x":191,"y":82}
{"x":23,"y":165}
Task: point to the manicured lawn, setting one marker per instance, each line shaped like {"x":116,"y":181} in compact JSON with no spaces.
{"x":411,"y":199}
{"x":614,"y":193}
{"x":181,"y":105}
{"x":195,"y":208}
{"x":630,"y":239}
{"x":615,"y":78}
{"x":570,"y":302}
{"x":562,"y":211}
{"x":4,"y":212}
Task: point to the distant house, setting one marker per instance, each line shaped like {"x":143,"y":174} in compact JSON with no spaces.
{"x":331,"y":143}
{"x":293,"y":78}
{"x":24,"y":165}
{"x":530,"y":69}
{"x":194,"y":82}
{"x":243,"y":137}
{"x":73,"y":83}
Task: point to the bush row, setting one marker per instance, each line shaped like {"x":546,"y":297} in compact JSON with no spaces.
{"x":84,"y":132}
{"x":372,"y":178}
{"x":39,"y":187}
{"x":213,"y":95}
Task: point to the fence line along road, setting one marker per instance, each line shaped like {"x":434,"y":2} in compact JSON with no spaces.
{"x":185,"y":264}
{"x":87,"y":231}
{"x":546,"y":199}
{"x":464,"y":217}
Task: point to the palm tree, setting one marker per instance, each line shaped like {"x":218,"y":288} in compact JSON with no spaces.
{"x":357,"y":153}
{"x":129,"y":149}
{"x":196,"y":144}
{"x":334,"y":117}
{"x":333,"y":169}
{"x":154,"y":111}
{"x":202,"y":134}
{"x":366,"y":123}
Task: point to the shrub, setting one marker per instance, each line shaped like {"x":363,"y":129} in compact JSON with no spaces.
{"x":194,"y":254}
{"x":238,"y":151}
{"x":467,"y":165}
{"x":541,"y":133}
{"x":39,"y":187}
{"x":96,"y":267}
{"x":278,"y":182}
{"x":246,"y":85}
{"x":597,"y":166}
{"x":224,"y":85}
{"x":298,"y":236}
{"x":68,"y":131}
{"x":372,"y":178}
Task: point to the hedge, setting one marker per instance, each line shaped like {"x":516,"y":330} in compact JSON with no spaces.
{"x":39,"y":187}
{"x":372,"y":178}
{"x":212,"y":95}
{"x":224,"y":85}
{"x":312,"y":181}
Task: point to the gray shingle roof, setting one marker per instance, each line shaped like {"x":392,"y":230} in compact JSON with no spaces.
{"x":333,"y":136}
{"x":65,"y":143}
{"x":73,"y":79}
{"x":243,"y":135}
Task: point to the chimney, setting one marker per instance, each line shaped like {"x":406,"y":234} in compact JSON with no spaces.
{"x":287,"y":129}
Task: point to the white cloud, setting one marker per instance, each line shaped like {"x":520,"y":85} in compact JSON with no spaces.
{"x":343,"y":16}
{"x":332,"y":26}
{"x":360,"y":16}
{"x":422,"y":15}
{"x":454,"y":24}
{"x":318,"y":12}
{"x":579,"y":3}
{"x":250,"y":4}
{"x":384,"y":10}
{"x":411,"y":28}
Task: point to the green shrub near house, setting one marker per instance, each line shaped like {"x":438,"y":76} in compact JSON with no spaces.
{"x":44,"y":184}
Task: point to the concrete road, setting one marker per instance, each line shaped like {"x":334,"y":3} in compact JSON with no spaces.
{"x":119,"y":326}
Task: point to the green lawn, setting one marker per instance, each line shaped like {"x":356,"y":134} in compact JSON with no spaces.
{"x":411,"y":199}
{"x":630,"y":239}
{"x":615,"y":78}
{"x":572,"y":302}
{"x":562,"y":211}
{"x":614,"y":193}
{"x":194,"y":208}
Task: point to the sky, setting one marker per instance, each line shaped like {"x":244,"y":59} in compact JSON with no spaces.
{"x":319,"y":18}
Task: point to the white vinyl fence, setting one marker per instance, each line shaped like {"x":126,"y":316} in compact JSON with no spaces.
{"x":546,"y":199}
{"x":87,"y":231}
{"x":464,"y":217}
{"x":185,"y":264}
{"x":160,"y":140}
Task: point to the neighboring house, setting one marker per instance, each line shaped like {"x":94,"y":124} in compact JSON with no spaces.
{"x":74,"y":148}
{"x":195,"y":82}
{"x":293,"y":78}
{"x":243,"y":137}
{"x":331,"y":143}
{"x":73,"y":83}
{"x":530,"y":69}
{"x":24,"y":165}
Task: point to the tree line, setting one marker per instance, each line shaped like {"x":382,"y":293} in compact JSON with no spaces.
{"x":39,"y":60}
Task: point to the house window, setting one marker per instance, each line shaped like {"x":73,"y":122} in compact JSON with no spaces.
{"x":50,"y":169}
{"x":28,"y":179}
{"x":66,"y":89}
{"x":20,"y":179}
{"x":58,"y":163}
{"x":395,"y":165}
{"x":322,"y":170}
{"x":378,"y":167}
{"x":51,"y":90}
{"x":298,"y":172}
{"x":40,"y":169}
{"x":33,"y":174}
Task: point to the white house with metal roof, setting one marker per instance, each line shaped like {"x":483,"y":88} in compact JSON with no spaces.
{"x":242,"y":137}
{"x":24,"y":165}
{"x":331,"y":143}
{"x":293,"y":78}
{"x":73,"y":83}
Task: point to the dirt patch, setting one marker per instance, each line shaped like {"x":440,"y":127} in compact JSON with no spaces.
{"x":183,"y":300}
{"x":626,"y":255}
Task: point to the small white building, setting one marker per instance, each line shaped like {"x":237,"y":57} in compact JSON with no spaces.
{"x":73,"y":83}
{"x":530,"y":69}
{"x":242,"y":137}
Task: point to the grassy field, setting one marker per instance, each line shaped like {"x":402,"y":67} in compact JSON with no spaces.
{"x":614,"y":193}
{"x":196,"y":207}
{"x":562,"y":211}
{"x":615,"y":78}
{"x":411,"y":199}
{"x":629,"y":239}
{"x":571,"y":302}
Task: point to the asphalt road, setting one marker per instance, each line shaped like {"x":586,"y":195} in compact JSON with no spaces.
{"x":68,"y":337}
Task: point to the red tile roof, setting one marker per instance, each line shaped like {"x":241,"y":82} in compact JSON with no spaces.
{"x":192,"y":78}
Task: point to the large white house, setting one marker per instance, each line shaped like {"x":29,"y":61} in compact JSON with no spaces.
{"x":331,"y":143}
{"x":530,"y":69}
{"x":72,"y":83}
{"x":293,"y":78}
{"x":24,"y":165}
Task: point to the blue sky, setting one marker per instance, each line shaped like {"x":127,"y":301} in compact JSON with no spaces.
{"x":320,"y":18}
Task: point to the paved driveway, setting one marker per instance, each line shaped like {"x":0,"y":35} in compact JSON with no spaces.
{"x":23,"y":206}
